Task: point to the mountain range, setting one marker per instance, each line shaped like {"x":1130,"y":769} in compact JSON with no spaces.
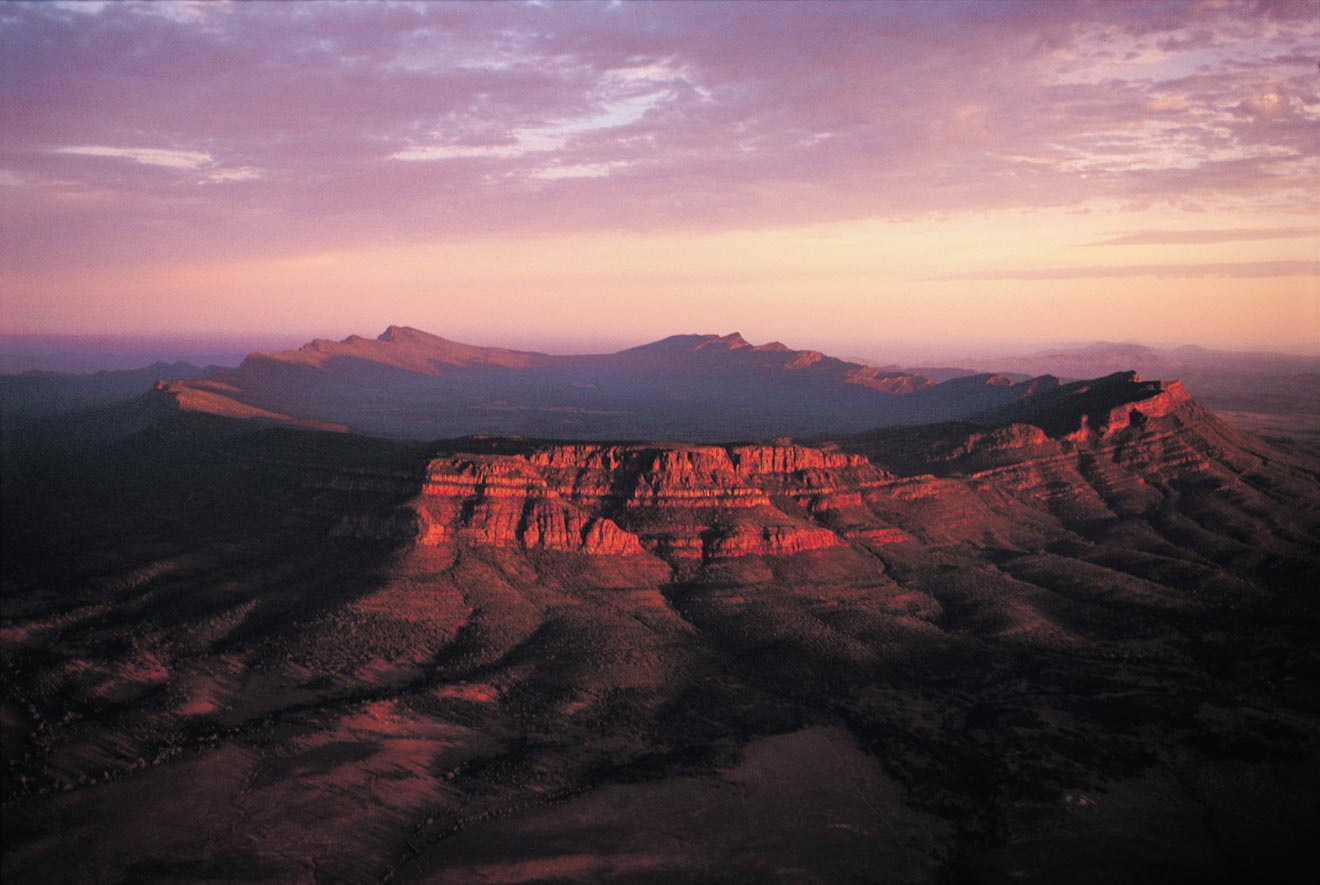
{"x":411,"y":384}
{"x":977,"y":630}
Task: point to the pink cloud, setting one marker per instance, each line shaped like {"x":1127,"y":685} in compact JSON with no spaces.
{"x":685,"y":116}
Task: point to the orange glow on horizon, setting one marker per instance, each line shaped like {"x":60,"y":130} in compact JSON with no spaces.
{"x":1032,"y":174}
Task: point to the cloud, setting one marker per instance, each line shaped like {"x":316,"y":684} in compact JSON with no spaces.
{"x":172,"y":159}
{"x":459,"y":152}
{"x":352,"y":125}
{"x":1199,"y":237}
{"x":552,"y":137}
{"x":198,"y":162}
{"x":579,"y":170}
{"x":1237,"y":270}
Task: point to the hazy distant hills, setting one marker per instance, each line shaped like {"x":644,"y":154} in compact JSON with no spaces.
{"x":414,"y":385}
{"x":410,"y":384}
{"x":54,"y":408}
{"x":1102,"y":357}
{"x":39,"y":394}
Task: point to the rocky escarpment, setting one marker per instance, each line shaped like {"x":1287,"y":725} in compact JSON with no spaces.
{"x":679,"y":501}
{"x":1092,"y":451}
{"x":1158,"y":401}
{"x":1101,"y":451}
{"x":1107,"y":450}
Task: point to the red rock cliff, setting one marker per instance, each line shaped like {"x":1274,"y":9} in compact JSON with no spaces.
{"x":675,"y":501}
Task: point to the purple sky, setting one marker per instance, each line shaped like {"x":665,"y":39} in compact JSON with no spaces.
{"x":512,"y":171}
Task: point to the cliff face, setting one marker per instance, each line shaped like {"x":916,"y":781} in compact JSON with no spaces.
{"x":681,"y":502}
{"x":1115,"y":450}
{"x":1100,"y":453}
{"x":1158,"y":401}
{"x":1090,"y":452}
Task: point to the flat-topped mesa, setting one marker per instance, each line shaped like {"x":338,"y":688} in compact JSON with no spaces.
{"x":680,"y":501}
{"x":582,"y":457}
{"x":645,"y":476}
{"x":502,"y":501}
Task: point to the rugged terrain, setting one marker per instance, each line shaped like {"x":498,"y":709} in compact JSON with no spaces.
{"x":1071,"y":640}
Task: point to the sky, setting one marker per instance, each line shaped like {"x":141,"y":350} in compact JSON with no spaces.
{"x":886,"y":179}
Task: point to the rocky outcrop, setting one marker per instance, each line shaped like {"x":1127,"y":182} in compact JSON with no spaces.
{"x":989,"y":446}
{"x":1163,"y":401}
{"x":679,"y":502}
{"x":753,"y":460}
{"x":1085,"y":453}
{"x":1098,"y":452}
{"x":768,"y":540}
{"x":885,"y":381}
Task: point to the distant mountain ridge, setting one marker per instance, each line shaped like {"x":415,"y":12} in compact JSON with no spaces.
{"x":1248,"y":381}
{"x":40,"y":395}
{"x":402,"y":347}
{"x":408,"y":383}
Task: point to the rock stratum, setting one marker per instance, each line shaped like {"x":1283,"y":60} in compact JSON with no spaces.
{"x":1109,"y":444}
{"x":1074,"y":633}
{"x":680,"y":502}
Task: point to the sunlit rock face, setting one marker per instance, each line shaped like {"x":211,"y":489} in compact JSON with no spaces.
{"x":1111,"y":439}
{"x":678,"y":501}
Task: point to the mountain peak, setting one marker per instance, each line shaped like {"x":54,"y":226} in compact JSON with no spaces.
{"x":732,"y":341}
{"x":397,"y":333}
{"x":693,"y":342}
{"x":400,"y":347}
